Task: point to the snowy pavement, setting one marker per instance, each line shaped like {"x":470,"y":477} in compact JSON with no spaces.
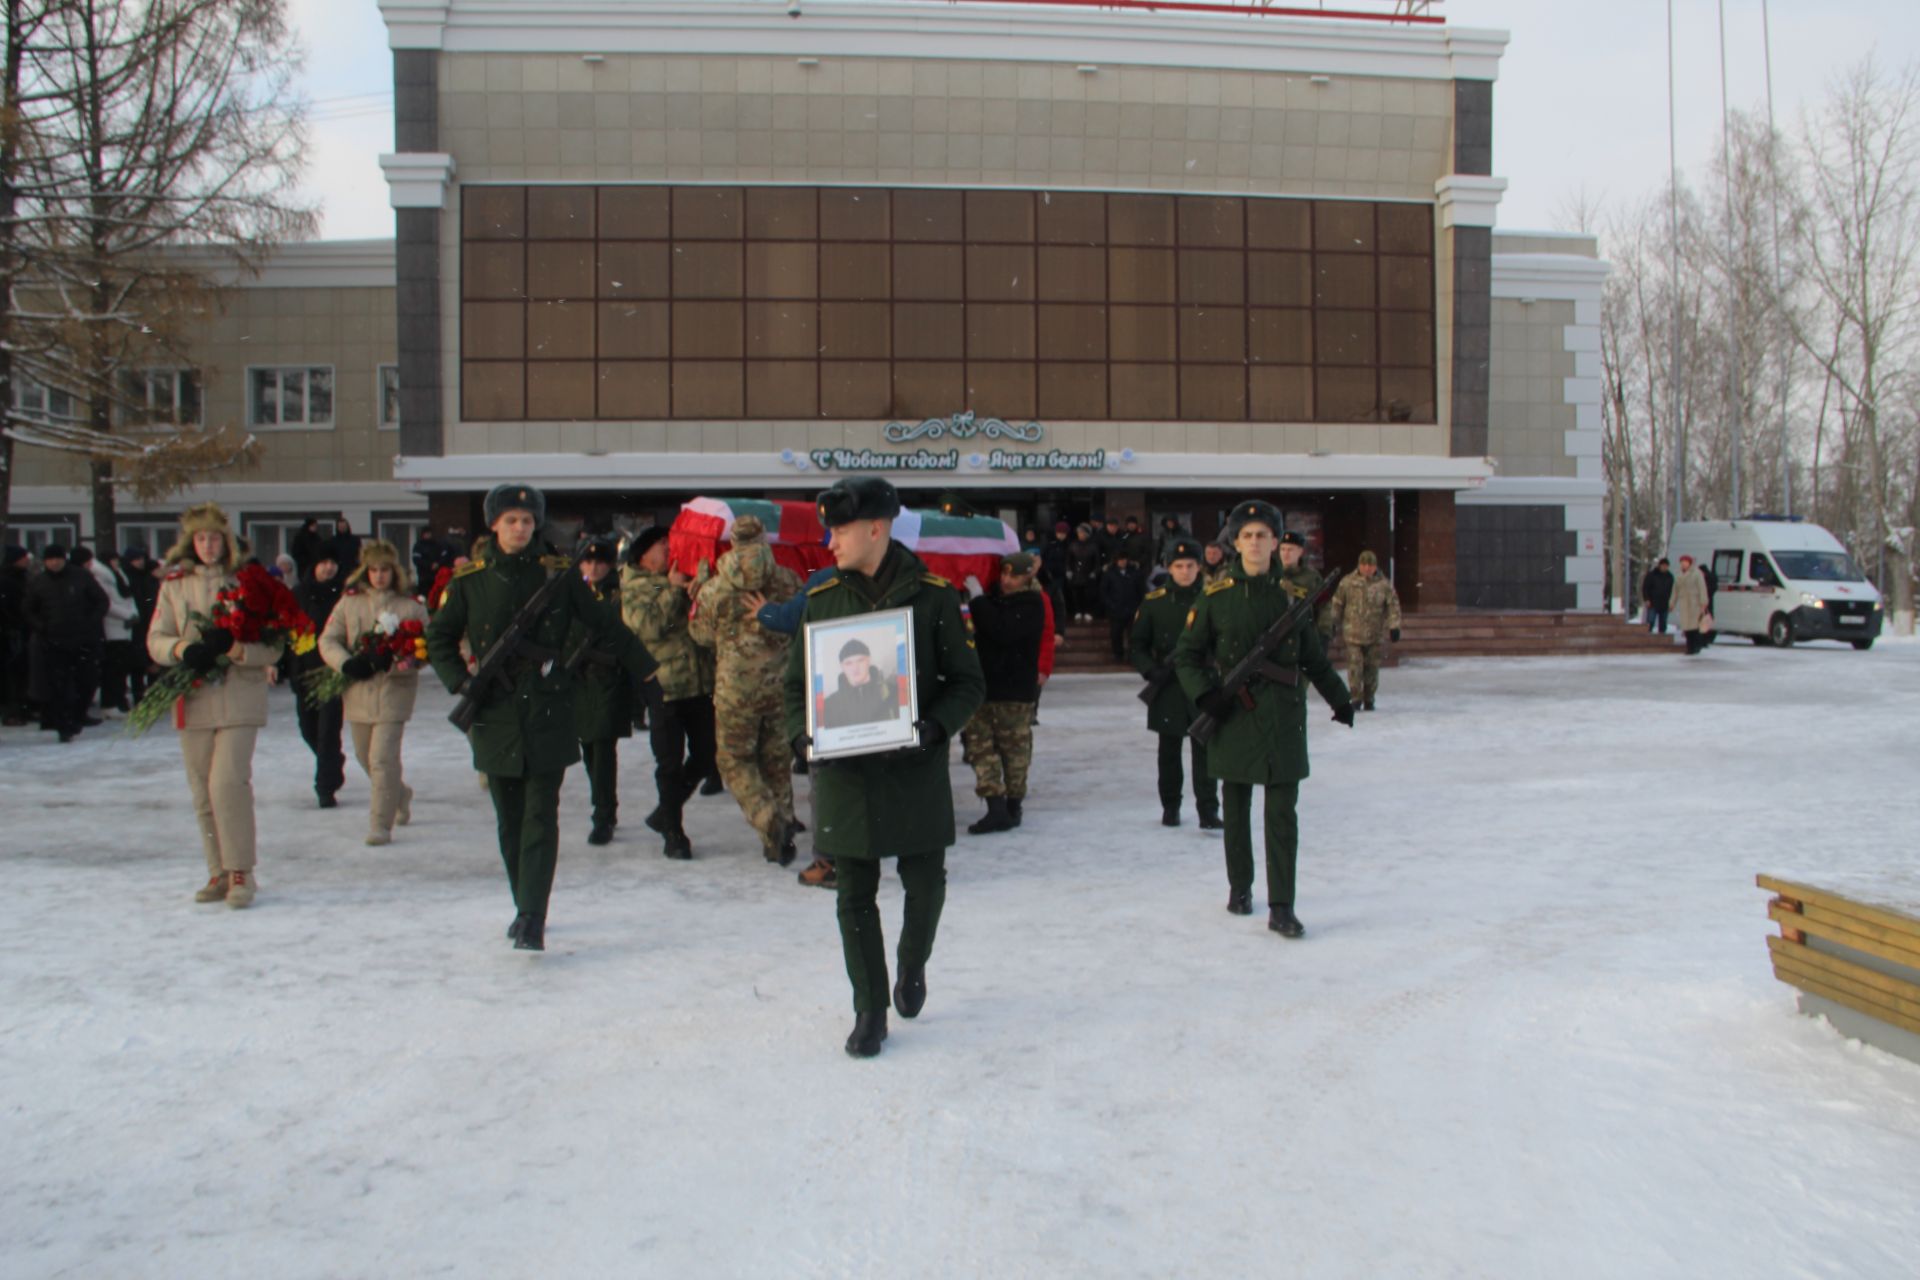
{"x":1531,"y":1031}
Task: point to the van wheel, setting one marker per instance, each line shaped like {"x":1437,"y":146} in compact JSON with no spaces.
{"x":1780,"y":631}
{"x":1864,"y":644}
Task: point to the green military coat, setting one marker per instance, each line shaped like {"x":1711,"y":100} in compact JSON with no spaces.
{"x":603,"y":696}
{"x":1302,"y":581}
{"x":897,"y":802}
{"x":1267,"y":744}
{"x":526,"y":726}
{"x":1156,"y":629}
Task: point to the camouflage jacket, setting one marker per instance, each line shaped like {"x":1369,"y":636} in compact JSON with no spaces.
{"x":1302,"y":581}
{"x":1365,"y":609}
{"x":750,"y":659}
{"x":656,"y":611}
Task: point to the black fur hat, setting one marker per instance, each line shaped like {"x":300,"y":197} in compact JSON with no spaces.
{"x":858,"y":498}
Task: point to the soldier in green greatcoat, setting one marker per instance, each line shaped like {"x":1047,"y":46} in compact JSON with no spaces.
{"x":1302,"y":579}
{"x":602,"y":702}
{"x":525,"y":734}
{"x":1264,"y":744}
{"x":893,"y":803}
{"x":1156,"y":629}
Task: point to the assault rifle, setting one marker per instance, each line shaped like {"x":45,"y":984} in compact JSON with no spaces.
{"x":510,"y":644}
{"x":1162,"y":677}
{"x":1259,"y":664}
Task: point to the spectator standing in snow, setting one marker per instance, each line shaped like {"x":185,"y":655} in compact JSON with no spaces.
{"x":1656,"y":590}
{"x":1122,"y":587}
{"x":66,"y":608}
{"x":14,"y":634}
{"x":1692,"y":605}
{"x":146,"y":592}
{"x":122,"y":621}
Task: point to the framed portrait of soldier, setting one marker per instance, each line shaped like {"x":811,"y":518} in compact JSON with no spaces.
{"x":861,"y":696}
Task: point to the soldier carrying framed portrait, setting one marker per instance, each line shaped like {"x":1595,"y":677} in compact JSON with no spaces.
{"x":861,"y":691}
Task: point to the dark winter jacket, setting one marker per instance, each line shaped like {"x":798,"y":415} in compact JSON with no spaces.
{"x":1121,"y":590}
{"x":346,"y":551}
{"x":306,"y":548}
{"x":1657,"y":590}
{"x":1138,"y":545}
{"x":316,"y":600}
{"x":1083,"y":559}
{"x":427,"y":551}
{"x":67,"y":608}
{"x":146,"y":594}
{"x":1053,"y":559}
{"x":1007,"y":631}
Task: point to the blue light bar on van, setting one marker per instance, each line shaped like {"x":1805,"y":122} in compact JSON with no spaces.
{"x":1764,"y":515}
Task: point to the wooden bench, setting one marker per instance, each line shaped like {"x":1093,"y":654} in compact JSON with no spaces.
{"x":1856,"y":963}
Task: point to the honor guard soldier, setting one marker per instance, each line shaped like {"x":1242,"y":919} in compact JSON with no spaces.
{"x":1262,"y":737}
{"x":1302,"y":579}
{"x":1162,"y":620}
{"x":1367,"y":611}
{"x":603,"y":701}
{"x":516,"y":608}
{"x":896,"y":803}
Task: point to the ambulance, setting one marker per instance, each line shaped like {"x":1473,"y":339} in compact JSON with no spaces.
{"x":1780,"y":580}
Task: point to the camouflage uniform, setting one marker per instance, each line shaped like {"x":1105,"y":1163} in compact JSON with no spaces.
{"x":680,"y":720}
{"x":1366,"y":610}
{"x":756,"y":761}
{"x":998,"y":742}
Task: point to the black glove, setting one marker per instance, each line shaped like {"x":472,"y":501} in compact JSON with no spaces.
{"x":383,"y":662}
{"x":217,"y":641}
{"x":1160,"y":672}
{"x":1215,"y":703}
{"x":1344,"y":714}
{"x":1394,"y":635}
{"x":199,"y":657}
{"x":358,"y":667}
{"x":931,"y":734}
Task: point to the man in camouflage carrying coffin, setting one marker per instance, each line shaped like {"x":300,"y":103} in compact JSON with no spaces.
{"x":1262,"y":735}
{"x":516,"y":606}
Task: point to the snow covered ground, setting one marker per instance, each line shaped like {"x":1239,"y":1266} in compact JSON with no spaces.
{"x":1531,"y":1031}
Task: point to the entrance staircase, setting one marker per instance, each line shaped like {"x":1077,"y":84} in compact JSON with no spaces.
{"x":1467,"y":634}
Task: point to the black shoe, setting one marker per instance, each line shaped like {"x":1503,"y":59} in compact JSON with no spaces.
{"x":712,"y":786}
{"x":996,"y":818}
{"x":326,"y":800}
{"x":1240,"y":902}
{"x":1210,"y":821}
{"x":1170,"y":817}
{"x":1013,"y":809}
{"x":656,"y":820}
{"x":1367,"y":705}
{"x":519,"y":923}
{"x":68,"y":735}
{"x":869,"y":1029}
{"x":778,"y":846}
{"x":1282,"y":921}
{"x":800,"y":766}
{"x":602,"y":833}
{"x":678,"y":847}
{"x":533,"y":935}
{"x":910,"y":993}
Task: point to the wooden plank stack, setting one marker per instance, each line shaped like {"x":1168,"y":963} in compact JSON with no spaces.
{"x":1861,"y":956}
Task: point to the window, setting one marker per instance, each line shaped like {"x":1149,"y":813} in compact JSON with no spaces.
{"x":290,"y":396}
{"x":1819,"y":566}
{"x":402,"y":531}
{"x":1726,"y":567}
{"x":1760,"y":571}
{"x":387,"y":396}
{"x":160,"y":397}
{"x":35,"y":535}
{"x":154,"y":536}
{"x":38,"y":398}
{"x":272,"y":535}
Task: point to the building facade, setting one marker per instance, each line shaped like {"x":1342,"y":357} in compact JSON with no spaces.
{"x":1064,"y":262}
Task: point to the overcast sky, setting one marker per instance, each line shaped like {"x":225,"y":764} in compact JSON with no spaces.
{"x":1581,"y":102}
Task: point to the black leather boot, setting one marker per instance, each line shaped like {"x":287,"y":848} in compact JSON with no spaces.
{"x":712,"y":786}
{"x":996,"y":819}
{"x":1281,"y":920}
{"x":1013,"y":809}
{"x":910,"y":992}
{"x":869,"y":1029}
{"x":1240,"y":901}
{"x":533,"y":935}
{"x":1210,"y":820}
{"x":657,"y":820}
{"x":1170,"y":816}
{"x":602,"y":833}
{"x":678,"y":847}
{"x":519,"y":923}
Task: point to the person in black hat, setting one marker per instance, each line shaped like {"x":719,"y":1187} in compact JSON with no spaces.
{"x":656,"y":602}
{"x":602,"y":698}
{"x":896,"y":803}
{"x":524,"y":735}
{"x":1163,"y":617}
{"x":865,"y":693}
{"x":1302,"y":579}
{"x":1263,"y":744}
{"x":14,"y":633}
{"x":66,"y":609}
{"x":145,"y":586}
{"x":320,"y":726}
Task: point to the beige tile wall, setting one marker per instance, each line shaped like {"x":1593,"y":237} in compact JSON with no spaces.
{"x":630,"y":118}
{"x":1528,"y":416}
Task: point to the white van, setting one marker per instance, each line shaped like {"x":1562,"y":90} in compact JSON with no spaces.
{"x":1779,"y":580}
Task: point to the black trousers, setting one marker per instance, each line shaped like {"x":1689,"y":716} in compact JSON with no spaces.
{"x":1206,"y":792}
{"x":116,"y":665}
{"x":602,"y":761}
{"x":681,"y":734}
{"x":1117,"y":632}
{"x":924,"y":877}
{"x":68,"y":674}
{"x":320,"y":727}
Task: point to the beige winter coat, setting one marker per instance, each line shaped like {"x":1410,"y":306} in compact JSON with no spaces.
{"x":241,"y":697}
{"x":386,"y":698}
{"x":1690,"y":599}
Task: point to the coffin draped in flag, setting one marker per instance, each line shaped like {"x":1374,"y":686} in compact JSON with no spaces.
{"x":953,"y":546}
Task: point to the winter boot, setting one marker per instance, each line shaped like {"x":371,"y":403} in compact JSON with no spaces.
{"x":800,"y":766}
{"x":214,"y":890}
{"x":1281,"y":920}
{"x":996,"y":819}
{"x":515,"y":929}
{"x":1240,"y":901}
{"x":1013,"y":808}
{"x":656,"y":820}
{"x":712,"y":786}
{"x":325,"y":799}
{"x":820,"y":875}
{"x":602,"y":833}
{"x":910,"y":992}
{"x":240,"y":889}
{"x":678,"y":847}
{"x":1210,"y":820}
{"x":533,"y":934}
{"x":404,"y":814}
{"x":869,"y":1029}
{"x":378,"y":837}
{"x":777,"y":845}
{"x":1367,"y":705}
{"x":1170,"y":816}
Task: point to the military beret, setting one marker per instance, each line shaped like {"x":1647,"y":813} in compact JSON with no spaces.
{"x":1183,"y":549}
{"x":854,"y":648}
{"x":644,"y":540}
{"x":515,"y":497}
{"x":858,"y":498}
{"x":600,"y":549}
{"x":1254,"y":511}
{"x":1020,"y":562}
{"x":1293,"y":537}
{"x":1367,"y":557}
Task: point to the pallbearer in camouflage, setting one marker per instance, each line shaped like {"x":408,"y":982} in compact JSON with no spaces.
{"x":1157,"y":628}
{"x":1262,"y":739}
{"x":756,"y":761}
{"x":1367,"y":611}
{"x":997,"y":741}
{"x":656,"y":604}
{"x":603,"y":704}
{"x":524,"y":734}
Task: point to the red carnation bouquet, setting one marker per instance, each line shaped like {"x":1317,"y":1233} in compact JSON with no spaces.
{"x":405,"y":643}
{"x":257,"y":609}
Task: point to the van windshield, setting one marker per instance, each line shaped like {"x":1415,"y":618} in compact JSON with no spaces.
{"x":1819,"y":566}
